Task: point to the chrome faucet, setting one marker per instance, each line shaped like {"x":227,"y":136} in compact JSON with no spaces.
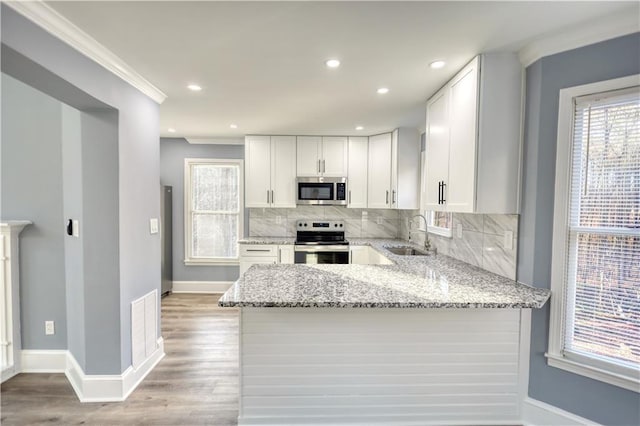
{"x":427,"y":244}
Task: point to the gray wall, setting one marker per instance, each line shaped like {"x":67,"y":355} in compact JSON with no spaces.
{"x":615,"y":58}
{"x":32,"y":190}
{"x":173,"y":151}
{"x":137,"y":251}
{"x":73,"y":247}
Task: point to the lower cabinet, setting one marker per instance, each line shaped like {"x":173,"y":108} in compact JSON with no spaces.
{"x":253,"y":254}
{"x":365,"y":255}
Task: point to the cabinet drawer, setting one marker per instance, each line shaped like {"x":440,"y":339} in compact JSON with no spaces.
{"x":258,"y":250}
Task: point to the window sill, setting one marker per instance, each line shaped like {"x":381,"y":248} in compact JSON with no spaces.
{"x":626,"y":382}
{"x":212,"y":262}
{"x":443,"y":232}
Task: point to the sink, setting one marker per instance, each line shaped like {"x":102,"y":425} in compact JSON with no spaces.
{"x":407,"y":251}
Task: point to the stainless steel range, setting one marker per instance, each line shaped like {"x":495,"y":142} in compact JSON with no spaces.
{"x":321,"y":241}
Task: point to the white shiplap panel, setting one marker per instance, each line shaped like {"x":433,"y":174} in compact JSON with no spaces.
{"x":386,"y":366}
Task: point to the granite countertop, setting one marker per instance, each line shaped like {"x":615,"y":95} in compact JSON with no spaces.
{"x":268,"y":240}
{"x":434,"y":281}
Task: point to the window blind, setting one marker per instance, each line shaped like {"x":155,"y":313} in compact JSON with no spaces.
{"x":602,"y":319}
{"x":215,"y":210}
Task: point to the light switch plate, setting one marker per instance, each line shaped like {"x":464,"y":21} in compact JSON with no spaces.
{"x":459,"y":230}
{"x":75,"y":225}
{"x":508,"y":240}
{"x":153,"y":225}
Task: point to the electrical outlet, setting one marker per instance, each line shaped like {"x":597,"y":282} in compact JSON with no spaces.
{"x":278,"y":220}
{"x":49,"y":327}
{"x":379,"y":220}
{"x":459,"y":230}
{"x":508,"y":240}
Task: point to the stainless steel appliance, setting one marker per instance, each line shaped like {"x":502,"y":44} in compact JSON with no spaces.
{"x":321,"y":190}
{"x":321,"y":241}
{"x":166,"y":239}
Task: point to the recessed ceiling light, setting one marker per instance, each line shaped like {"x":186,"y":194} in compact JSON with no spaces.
{"x":359,"y":128}
{"x":437,"y":64}
{"x":194,"y":87}
{"x":233,"y":126}
{"x":171,"y":130}
{"x":383,"y":90}
{"x":332,"y":63}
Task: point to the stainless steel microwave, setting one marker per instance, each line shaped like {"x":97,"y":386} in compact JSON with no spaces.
{"x":321,"y":191}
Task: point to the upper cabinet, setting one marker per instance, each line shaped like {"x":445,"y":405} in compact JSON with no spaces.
{"x":394,"y":170}
{"x":322,"y":156}
{"x":270,"y":171}
{"x":473,"y":138}
{"x":357,"y":172}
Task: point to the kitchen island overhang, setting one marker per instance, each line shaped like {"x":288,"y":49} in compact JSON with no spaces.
{"x":423,"y":341}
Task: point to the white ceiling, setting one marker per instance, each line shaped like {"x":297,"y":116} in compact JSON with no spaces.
{"x":261,"y":64}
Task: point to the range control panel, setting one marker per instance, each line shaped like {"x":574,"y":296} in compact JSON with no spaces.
{"x":319,"y":225}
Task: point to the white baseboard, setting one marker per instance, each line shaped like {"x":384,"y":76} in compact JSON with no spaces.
{"x":201,"y":286}
{"x":43,"y":361}
{"x":538,"y":413}
{"x":90,"y":387}
{"x":114,"y":387}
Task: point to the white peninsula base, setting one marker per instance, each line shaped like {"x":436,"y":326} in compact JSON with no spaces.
{"x":378,"y":366}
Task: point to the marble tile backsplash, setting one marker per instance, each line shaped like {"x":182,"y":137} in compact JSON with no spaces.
{"x":360,"y":223}
{"x":482,"y":242}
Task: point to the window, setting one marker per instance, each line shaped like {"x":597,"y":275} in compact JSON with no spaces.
{"x":595,"y":311}
{"x":213,"y":210}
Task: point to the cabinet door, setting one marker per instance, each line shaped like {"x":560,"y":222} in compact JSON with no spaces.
{"x":379,"y":179}
{"x":247,"y":262}
{"x":394,"y":168}
{"x":437,"y":148}
{"x":357,"y":172}
{"x":308,"y":156}
{"x":334,"y":156}
{"x":463,"y":113}
{"x":359,"y":255}
{"x":257,"y":172}
{"x":283,"y":171}
{"x":286,"y":254}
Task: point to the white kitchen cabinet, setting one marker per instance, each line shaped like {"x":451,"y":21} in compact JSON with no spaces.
{"x":405,"y":168}
{"x":357,"y":172}
{"x":270,"y":171}
{"x":394,"y":170}
{"x":322,"y":156}
{"x":366,"y":255}
{"x":437,"y":137}
{"x":252,"y":254}
{"x":473,"y":126}
{"x":379,"y":176}
{"x":359,"y":255}
{"x":286,"y":254}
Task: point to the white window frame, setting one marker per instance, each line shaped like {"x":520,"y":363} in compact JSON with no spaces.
{"x":189,"y":258}
{"x":586,"y":366}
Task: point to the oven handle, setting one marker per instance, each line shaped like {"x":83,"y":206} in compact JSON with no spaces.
{"x":317,"y":249}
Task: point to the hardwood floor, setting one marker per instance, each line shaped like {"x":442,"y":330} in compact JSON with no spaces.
{"x":196,"y":382}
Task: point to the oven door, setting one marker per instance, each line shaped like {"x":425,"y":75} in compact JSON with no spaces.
{"x":316,"y":192}
{"x":321,"y":254}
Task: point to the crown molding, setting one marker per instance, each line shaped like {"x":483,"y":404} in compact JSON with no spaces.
{"x":216,"y":141}
{"x":587,"y":33}
{"x":57,"y":25}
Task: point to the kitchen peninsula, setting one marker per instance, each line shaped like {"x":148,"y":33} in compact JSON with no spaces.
{"x":423,"y":340}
